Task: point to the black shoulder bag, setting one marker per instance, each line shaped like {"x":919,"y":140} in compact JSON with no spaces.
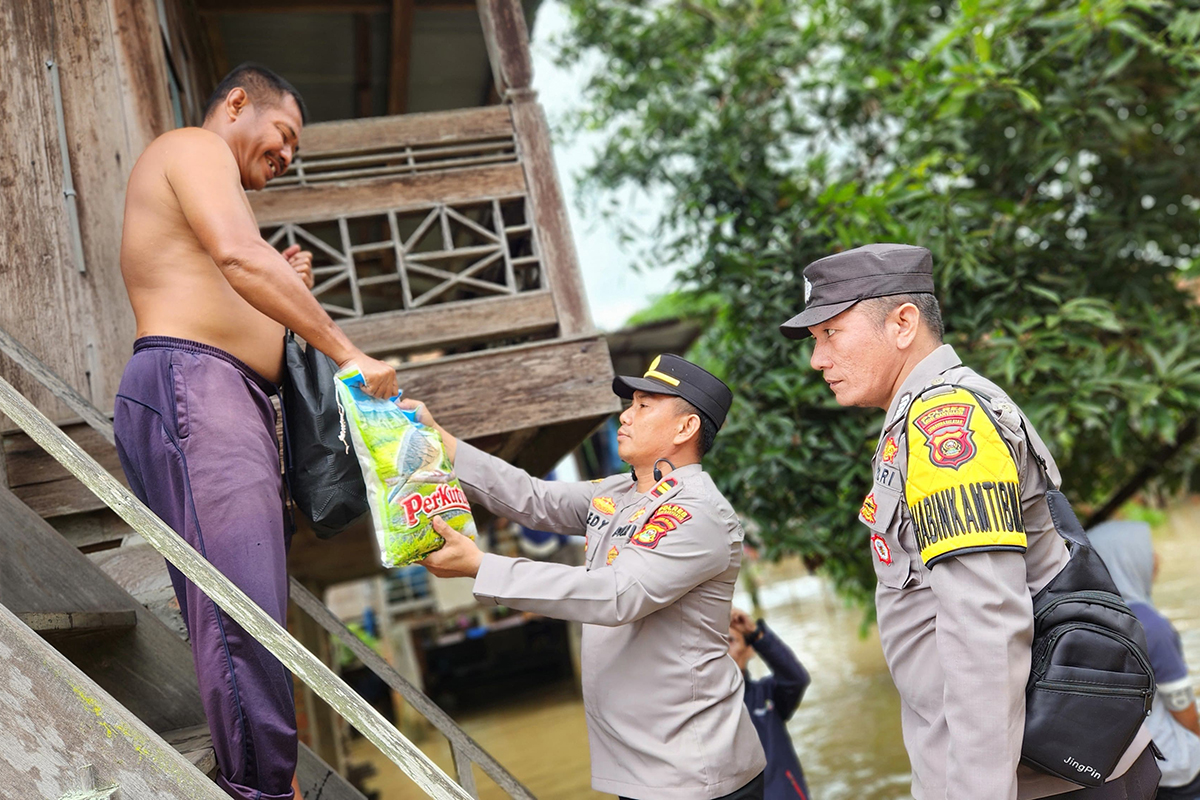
{"x":1091,"y":685}
{"x":322,"y":471}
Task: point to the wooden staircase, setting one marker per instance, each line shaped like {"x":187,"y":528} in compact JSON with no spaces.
{"x":99,"y":693}
{"x":100,"y":679}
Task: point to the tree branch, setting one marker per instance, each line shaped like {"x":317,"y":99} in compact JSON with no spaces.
{"x":1153,"y":467}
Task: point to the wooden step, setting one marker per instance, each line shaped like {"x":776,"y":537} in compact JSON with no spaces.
{"x":195,"y":744}
{"x":140,"y":570}
{"x":316,"y":777}
{"x":145,"y":668}
{"x":57,"y":625}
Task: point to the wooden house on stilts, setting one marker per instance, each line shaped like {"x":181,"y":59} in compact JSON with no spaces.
{"x":428,"y":193}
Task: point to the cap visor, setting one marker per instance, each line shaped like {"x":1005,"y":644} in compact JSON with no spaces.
{"x":797,"y":327}
{"x":624,"y":386}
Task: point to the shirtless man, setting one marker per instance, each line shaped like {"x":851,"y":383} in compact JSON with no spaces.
{"x":194,"y":423}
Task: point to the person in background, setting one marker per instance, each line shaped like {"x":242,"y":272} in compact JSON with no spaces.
{"x":772,"y":701}
{"x":1129,"y":555}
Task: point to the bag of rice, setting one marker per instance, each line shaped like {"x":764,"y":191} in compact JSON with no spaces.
{"x":409,"y":479}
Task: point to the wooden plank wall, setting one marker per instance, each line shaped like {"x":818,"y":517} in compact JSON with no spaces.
{"x":112,"y":75}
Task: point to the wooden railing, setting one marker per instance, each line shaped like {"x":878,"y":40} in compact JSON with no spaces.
{"x":250,"y":616}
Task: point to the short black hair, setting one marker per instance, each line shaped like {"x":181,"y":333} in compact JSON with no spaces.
{"x":708,"y":428}
{"x":926,"y":303}
{"x":262,"y":85}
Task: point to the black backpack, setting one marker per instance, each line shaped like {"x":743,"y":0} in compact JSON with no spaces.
{"x":1091,"y":685}
{"x":323,"y":476}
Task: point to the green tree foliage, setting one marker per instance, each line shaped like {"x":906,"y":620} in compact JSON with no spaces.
{"x":1046,"y":152}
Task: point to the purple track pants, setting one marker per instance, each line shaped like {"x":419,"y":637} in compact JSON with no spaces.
{"x":195,"y":434}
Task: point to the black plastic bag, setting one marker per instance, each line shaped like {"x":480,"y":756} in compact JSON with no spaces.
{"x":322,"y":472}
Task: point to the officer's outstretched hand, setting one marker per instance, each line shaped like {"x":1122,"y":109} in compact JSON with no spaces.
{"x":449,"y":443}
{"x":458,"y":558}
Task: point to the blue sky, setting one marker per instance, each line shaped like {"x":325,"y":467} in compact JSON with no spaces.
{"x":615,"y":290}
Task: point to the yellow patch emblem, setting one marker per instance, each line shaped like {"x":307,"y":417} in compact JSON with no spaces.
{"x":890,"y":448}
{"x":612,"y":553}
{"x":869,"y":508}
{"x":604,"y":505}
{"x":641,"y":512}
{"x":963,"y":487}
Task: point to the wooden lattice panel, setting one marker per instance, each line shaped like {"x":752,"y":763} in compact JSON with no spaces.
{"x":408,"y":258}
{"x":411,"y":159}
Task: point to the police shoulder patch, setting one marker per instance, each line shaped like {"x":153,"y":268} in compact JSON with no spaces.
{"x":962,"y":486}
{"x":665,"y":519}
{"x":665,"y":486}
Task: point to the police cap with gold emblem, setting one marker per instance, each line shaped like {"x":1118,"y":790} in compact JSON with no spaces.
{"x":670,"y":374}
{"x":834,"y":283}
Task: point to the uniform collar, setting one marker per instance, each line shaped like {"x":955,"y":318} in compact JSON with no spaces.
{"x":930,"y":367}
{"x":681,"y":473}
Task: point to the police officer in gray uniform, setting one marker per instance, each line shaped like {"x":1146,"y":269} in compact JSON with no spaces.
{"x":960,"y":532}
{"x":662,"y":697}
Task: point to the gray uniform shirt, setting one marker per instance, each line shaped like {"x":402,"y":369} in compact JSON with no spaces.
{"x":955,"y":596}
{"x":662,"y":697}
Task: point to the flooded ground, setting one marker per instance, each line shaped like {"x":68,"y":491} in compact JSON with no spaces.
{"x":847,"y":731}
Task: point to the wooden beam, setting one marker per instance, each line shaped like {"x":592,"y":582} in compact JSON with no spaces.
{"x":453,"y":324}
{"x":60,"y":624}
{"x":435,"y":127}
{"x":540,"y":384}
{"x":401,"y":56}
{"x":507,"y":39}
{"x":555,"y":245}
{"x":45,"y":376}
{"x":404,"y":192}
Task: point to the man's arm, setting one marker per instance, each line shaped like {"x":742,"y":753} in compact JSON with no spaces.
{"x":1181,"y":702}
{"x":204,"y":176}
{"x":984,"y":633}
{"x":642,"y":579}
{"x":511,"y":492}
{"x":1170,"y":668}
{"x":790,"y":678}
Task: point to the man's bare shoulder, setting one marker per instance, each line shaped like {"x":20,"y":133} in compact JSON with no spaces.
{"x":188,"y":147}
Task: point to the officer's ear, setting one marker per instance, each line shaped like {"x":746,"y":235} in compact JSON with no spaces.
{"x":906,"y":318}
{"x":689,"y":428}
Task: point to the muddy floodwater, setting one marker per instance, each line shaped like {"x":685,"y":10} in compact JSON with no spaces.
{"x":847,"y":731}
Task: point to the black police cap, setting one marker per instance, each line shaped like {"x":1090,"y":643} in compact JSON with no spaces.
{"x":834,"y":283}
{"x":670,"y":374}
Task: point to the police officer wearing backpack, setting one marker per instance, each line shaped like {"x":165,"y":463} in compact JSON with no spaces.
{"x":960,"y":531}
